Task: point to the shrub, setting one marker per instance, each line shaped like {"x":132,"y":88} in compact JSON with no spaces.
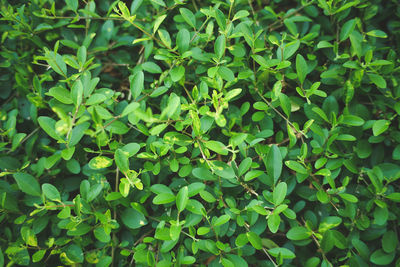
{"x":207,"y":133}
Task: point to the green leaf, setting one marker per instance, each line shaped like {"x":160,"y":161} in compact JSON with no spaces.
{"x":96,"y":99}
{"x":51,"y":192}
{"x":188,"y":16}
{"x":352,"y":120}
{"x":117,"y":127}
{"x":220,"y":18}
{"x":151,"y":67}
{"x":254,"y":240}
{"x":82,"y":55}
{"x":219,"y":46}
{"x":224,"y":170}
{"x":389,"y":241}
{"x":74,"y":253}
{"x":183,"y":40}
{"x":174,"y":103}
{"x":164,"y":198}
{"x":121,"y":159}
{"x":221,"y":220}
{"x":165,"y":38}
{"x":175,"y":231}
{"x":27,"y":184}
{"x":159,"y":2}
{"x":177,"y":73}
{"x":253,"y":174}
{"x":273,"y":162}
{"x":101,"y":235}
{"x":244,"y":166}
{"x":61,"y":94}
{"x":237,"y":260}
{"x":36,"y":257}
{"x":301,"y":68}
{"x":195,"y":188}
{"x":217,"y":147}
{"x":279,"y":193}
{"x":72,"y":4}
{"x":77,"y":93}
{"x":346,"y":30}
{"x":241,"y":240}
{"x":377,"y":33}
{"x":158,"y":22}
{"x":329,"y":222}
{"x":226,"y":73}
{"x":380,"y":257}
{"x":130,"y":108}
{"x":49,"y":126}
{"x":395,"y":197}
{"x":133,"y":219}
{"x":137,"y":83}
{"x":284,"y":252}
{"x":380,"y":126}
{"x":298,"y":233}
{"x":77,"y":133}
{"x":232,"y":93}
{"x":182,"y":198}
{"x":348,"y":197}
{"x":274,"y":221}
{"x":100,"y":162}
{"x":295,"y":166}
{"x":377,"y":79}
{"x":240,"y":14}
{"x":156,"y":130}
{"x":203,"y":174}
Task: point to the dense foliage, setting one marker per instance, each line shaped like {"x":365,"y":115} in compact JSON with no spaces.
{"x":206,"y":133}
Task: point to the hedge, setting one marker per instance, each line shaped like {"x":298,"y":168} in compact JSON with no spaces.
{"x":203,"y":133}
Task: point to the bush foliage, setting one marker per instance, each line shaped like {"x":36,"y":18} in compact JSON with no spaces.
{"x":206,"y":133}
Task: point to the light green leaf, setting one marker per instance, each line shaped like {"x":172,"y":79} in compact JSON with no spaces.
{"x":158,"y":22}
{"x":100,"y":162}
{"x":61,"y":94}
{"x":254,"y":240}
{"x":380,"y":126}
{"x":295,"y":166}
{"x":164,"y":198}
{"x":177,"y":73}
{"x":51,"y":192}
{"x":182,"y":198}
{"x":279,"y":193}
{"x":222,"y":220}
{"x":130,"y":108}
{"x":377,"y":80}
{"x":252,"y":174}
{"x":217,"y":147}
{"x":347,"y":28}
